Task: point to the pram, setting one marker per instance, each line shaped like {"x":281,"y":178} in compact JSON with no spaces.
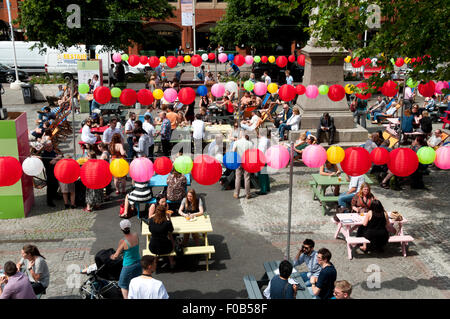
{"x":103,"y":277}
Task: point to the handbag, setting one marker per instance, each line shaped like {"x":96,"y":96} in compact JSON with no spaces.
{"x":122,"y":211}
{"x":179,"y":248}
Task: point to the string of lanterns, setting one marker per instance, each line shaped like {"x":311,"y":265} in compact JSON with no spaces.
{"x":357,"y":63}
{"x":207,"y":170}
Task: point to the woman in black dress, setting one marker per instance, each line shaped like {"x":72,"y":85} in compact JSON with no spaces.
{"x":162,"y":241}
{"x":375,"y":227}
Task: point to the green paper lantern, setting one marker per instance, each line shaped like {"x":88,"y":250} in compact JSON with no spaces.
{"x":183,"y":164}
{"x":411,"y":83}
{"x":83,"y":88}
{"x":392,"y":61}
{"x":124,"y":57}
{"x":426,"y":155}
{"x":115,"y":92}
{"x":249,"y":85}
{"x":257,"y":59}
{"x":323,"y":89}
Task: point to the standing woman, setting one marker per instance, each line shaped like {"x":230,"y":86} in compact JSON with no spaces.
{"x":162,"y":241}
{"x":35,"y":267}
{"x":117,"y":150}
{"x":191,"y":207}
{"x":131,"y":266}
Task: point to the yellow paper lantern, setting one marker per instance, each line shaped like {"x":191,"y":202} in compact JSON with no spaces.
{"x":348,"y":59}
{"x":158,"y":94}
{"x":348,"y":89}
{"x":119,"y":167}
{"x":271,"y":59}
{"x":187,"y":58}
{"x":335,"y":154}
{"x":407,"y":60}
{"x":162,"y":59}
{"x":272,"y":88}
{"x":82,"y":160}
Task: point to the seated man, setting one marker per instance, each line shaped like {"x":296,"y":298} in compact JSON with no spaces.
{"x":255,"y":101}
{"x":53,"y":99}
{"x":245,"y":100}
{"x":15,"y":285}
{"x":45,"y":115}
{"x":293,"y":123}
{"x":377,"y":107}
{"x":253,"y":123}
{"x":342,"y":290}
{"x":281,"y":286}
{"x":389,"y":113}
{"x":429,"y":104}
{"x":435,"y":139}
{"x":326,"y":124}
{"x":324,"y":287}
{"x":308,"y":255}
{"x":39,"y":131}
{"x":345,"y":199}
{"x":284,"y":116}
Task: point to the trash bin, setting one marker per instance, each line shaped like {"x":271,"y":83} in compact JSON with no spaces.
{"x":28,"y":93}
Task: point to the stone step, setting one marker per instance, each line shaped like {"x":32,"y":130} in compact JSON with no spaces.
{"x":342,"y":120}
{"x":357,"y":135}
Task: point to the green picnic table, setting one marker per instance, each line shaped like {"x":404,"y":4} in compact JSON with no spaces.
{"x":111,"y":108}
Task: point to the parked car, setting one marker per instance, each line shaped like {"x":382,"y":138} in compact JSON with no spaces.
{"x":276,"y":73}
{"x":8,"y":74}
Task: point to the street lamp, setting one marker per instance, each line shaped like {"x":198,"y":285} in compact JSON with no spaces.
{"x":17,"y":84}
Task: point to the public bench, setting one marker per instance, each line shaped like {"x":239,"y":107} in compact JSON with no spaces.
{"x":251,"y":285}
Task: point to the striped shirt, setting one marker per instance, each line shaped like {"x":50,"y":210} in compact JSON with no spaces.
{"x":141,"y":193}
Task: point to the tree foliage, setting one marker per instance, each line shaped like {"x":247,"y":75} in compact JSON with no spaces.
{"x":116,"y":24}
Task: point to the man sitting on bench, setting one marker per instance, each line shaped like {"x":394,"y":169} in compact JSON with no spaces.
{"x":345,"y":199}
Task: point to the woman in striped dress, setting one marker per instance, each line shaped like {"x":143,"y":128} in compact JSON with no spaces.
{"x":141,"y":193}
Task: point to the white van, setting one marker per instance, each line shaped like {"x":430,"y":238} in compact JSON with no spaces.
{"x":28,"y":60}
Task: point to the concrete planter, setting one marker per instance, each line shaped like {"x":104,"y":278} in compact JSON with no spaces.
{"x":43,"y":90}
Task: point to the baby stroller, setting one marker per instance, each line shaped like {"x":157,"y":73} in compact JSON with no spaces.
{"x":103,"y":277}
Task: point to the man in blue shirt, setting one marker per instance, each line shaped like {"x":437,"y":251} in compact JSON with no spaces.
{"x":324,"y":287}
{"x":178,"y":74}
{"x":280,"y":287}
{"x":235,"y":69}
{"x":166,"y":133}
{"x":308,"y":255}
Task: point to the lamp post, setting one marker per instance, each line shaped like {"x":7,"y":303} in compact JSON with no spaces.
{"x":193,"y":34}
{"x":15,"y":85}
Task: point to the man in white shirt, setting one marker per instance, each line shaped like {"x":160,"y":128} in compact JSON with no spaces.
{"x":267,"y":79}
{"x":240,"y":146}
{"x":110,"y":131}
{"x":253,"y":123}
{"x":96,"y":82}
{"x":198,"y":134}
{"x":354,"y":186}
{"x":150,"y":129}
{"x":129,"y":128}
{"x":145,"y":286}
{"x":435,"y":139}
{"x":143,"y":144}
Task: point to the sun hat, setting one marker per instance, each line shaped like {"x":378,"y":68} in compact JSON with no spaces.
{"x":124,"y":224}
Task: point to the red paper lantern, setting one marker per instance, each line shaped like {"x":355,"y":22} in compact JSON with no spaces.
{"x":143,"y":60}
{"x":366,"y":62}
{"x":196,"y":60}
{"x":153,"y":61}
{"x":95,"y":174}
{"x":427,"y":89}
{"x":206,"y":170}
{"x":356,"y":161}
{"x":253,"y":160}
{"x":171,"y":61}
{"x":128,"y":97}
{"x":10,"y":171}
{"x":186,"y":95}
{"x":264,"y":59}
{"x":162,"y":165}
{"x":336,"y":92}
{"x":389,"y":88}
{"x":211,"y":56}
{"x":102,"y":95}
{"x":301,"y":59}
{"x":399,"y":62}
{"x":133,"y":60}
{"x":281,"y":61}
{"x":300,"y":89}
{"x":291,"y":58}
{"x":356,"y":63}
{"x":403,"y":161}
{"x":180,"y":59}
{"x":379,"y":156}
{"x":67,"y":170}
{"x":287,"y":92}
{"x":363,"y":86}
{"x":239,"y":60}
{"x":145,"y":97}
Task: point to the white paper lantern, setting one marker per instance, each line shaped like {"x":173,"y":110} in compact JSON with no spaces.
{"x":204,"y":57}
{"x":231,"y":87}
{"x":374,"y":62}
{"x":32,"y":166}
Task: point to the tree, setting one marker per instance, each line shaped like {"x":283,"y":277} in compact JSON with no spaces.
{"x":114,"y":24}
{"x":263,"y":24}
{"x":408,"y":28}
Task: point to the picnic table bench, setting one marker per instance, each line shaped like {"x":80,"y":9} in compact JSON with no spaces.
{"x":252,"y":287}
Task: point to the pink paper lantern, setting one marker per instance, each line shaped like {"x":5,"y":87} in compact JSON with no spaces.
{"x":277,"y":156}
{"x":443,"y":157}
{"x":314,"y":156}
{"x":441,"y":85}
{"x":223,"y":58}
{"x":311,"y":91}
{"x":117,"y":57}
{"x":218,"y":90}
{"x":141,"y":169}
{"x":170,"y":95}
{"x":260,"y":88}
{"x":249,"y":59}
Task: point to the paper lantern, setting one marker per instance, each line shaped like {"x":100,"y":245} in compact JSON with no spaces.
{"x":187,"y":58}
{"x":356,"y":63}
{"x":403,"y":162}
{"x":218,"y":90}
{"x":32,"y":166}
{"x":145,"y":97}
{"x":211,"y":56}
{"x":260,"y":88}
{"x":366,"y":62}
{"x":271,"y":59}
{"x":411,"y":83}
{"x":379,"y":156}
{"x":202,"y":90}
{"x":239,"y":60}
{"x":153,"y":61}
{"x":348,"y":58}
{"x":363,"y":86}
{"x":128,"y":97}
{"x":356,"y":161}
{"x":223,"y":58}
{"x":287,"y":92}
{"x":427,"y":89}
{"x":206,"y":170}
{"x":117,"y":57}
{"x":440,"y":86}
{"x":264,"y":59}
{"x":170,"y":95}
{"x":253,"y":160}
{"x":257,"y":59}
{"x":248,"y":85}
{"x":133,"y":60}
{"x":68,"y":170}
{"x":141,"y":169}
{"x":180,"y":59}
{"x":300,"y":89}
{"x":171,"y":61}
{"x":119,"y":167}
{"x":389,"y":88}
{"x":426,"y":155}
{"x":249,"y":59}
{"x":102,"y":95}
{"x":204,"y":57}
{"x":95,"y":174}
{"x":311,"y":92}
{"x":231,"y":160}
{"x":291,"y":58}
{"x":230,"y":56}
{"x":314,"y":156}
{"x":335,"y":154}
{"x":348,"y":89}
{"x":163,"y":165}
{"x":277,"y":156}
{"x":158,"y":94}
{"x":281,"y":61}
{"x":183,"y":164}
{"x":443,"y":157}
{"x":143,"y":60}
{"x":82,"y":160}
{"x":336,"y":92}
{"x":115,"y":92}
{"x":83,"y":88}
{"x":231,"y":86}
{"x":399,"y":62}
{"x":162,"y":59}
{"x":323,"y":89}
{"x":10,"y":171}
{"x":196,"y":60}
{"x":125,"y":57}
{"x":301,"y":60}
{"x":186,"y":95}
{"x":272,"y":88}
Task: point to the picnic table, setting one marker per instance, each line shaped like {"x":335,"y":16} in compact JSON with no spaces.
{"x":201,"y":225}
{"x":349,"y":222}
{"x":111,"y":108}
{"x":97,"y":130}
{"x":320,"y":183}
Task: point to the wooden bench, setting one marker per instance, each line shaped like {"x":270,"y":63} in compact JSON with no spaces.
{"x":403,"y":239}
{"x":352,"y":242}
{"x":324,"y":200}
{"x":251,"y":285}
